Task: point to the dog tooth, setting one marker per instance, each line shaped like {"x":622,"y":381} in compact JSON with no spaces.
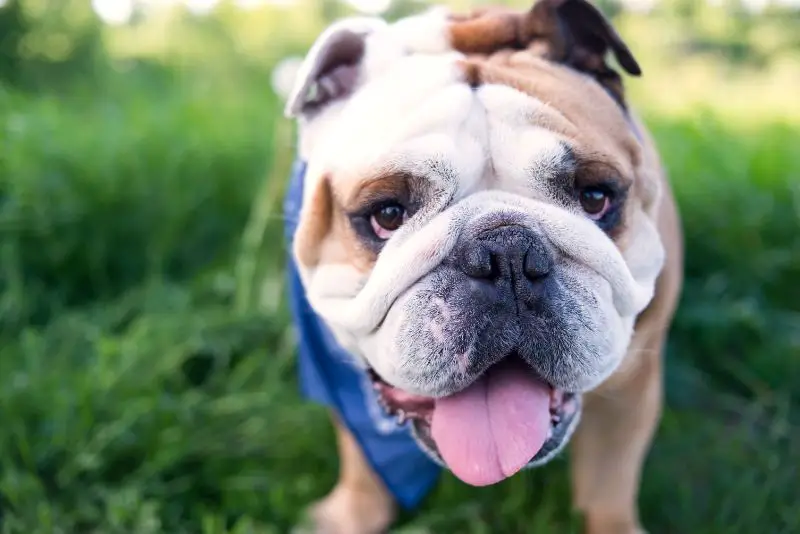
{"x":556,"y":398}
{"x":384,"y":405}
{"x":401,"y":417}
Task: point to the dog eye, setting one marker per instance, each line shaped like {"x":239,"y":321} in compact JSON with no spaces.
{"x":595,"y":201}
{"x":387,"y":219}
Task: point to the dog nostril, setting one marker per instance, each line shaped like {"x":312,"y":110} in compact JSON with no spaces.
{"x":536,"y":265}
{"x":478,"y":262}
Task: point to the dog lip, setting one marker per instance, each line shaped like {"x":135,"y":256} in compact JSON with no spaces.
{"x":380,"y":384}
{"x":417,"y":410}
{"x":397,"y":402}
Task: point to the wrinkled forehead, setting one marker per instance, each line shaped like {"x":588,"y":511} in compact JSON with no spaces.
{"x":434,"y":110}
{"x":424,"y":115}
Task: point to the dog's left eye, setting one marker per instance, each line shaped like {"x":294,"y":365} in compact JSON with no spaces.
{"x":387,"y":219}
{"x":595,"y":201}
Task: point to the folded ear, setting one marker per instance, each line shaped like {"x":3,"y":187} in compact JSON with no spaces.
{"x":571,"y":32}
{"x":330,"y":70}
{"x":580,"y":35}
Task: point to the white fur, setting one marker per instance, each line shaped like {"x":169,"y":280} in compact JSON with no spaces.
{"x":521,"y":154}
{"x":425,"y":33}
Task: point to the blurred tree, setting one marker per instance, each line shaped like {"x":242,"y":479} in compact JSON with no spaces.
{"x":724,"y":32}
{"x":611,"y":8}
{"x":330,"y":10}
{"x":46,"y":42}
{"x":403,"y":8}
{"x":13,"y":26}
{"x":687,"y":10}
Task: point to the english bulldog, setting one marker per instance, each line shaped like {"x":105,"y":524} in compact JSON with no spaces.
{"x":486,"y":230}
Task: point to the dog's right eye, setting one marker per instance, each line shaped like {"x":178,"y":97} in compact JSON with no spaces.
{"x":387,"y":219}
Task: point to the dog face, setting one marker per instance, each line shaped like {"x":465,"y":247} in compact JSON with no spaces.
{"x":477,"y":225}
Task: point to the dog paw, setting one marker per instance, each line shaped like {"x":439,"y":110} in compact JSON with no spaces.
{"x":347,"y":512}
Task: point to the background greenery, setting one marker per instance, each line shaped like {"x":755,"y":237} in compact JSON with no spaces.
{"x":147,"y":382}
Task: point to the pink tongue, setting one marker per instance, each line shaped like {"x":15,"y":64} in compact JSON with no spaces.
{"x":489,"y":431}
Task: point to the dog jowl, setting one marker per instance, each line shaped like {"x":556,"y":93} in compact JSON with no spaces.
{"x":486,"y":229}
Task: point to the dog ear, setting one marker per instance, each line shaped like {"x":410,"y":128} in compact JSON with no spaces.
{"x":580,"y":35}
{"x":570,"y":32}
{"x":330,"y":70}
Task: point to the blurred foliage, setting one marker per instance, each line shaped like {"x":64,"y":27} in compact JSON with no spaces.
{"x":146,"y":356}
{"x":48,"y":41}
{"x":13,"y":26}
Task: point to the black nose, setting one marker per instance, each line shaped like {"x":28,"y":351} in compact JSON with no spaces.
{"x":511,"y":253}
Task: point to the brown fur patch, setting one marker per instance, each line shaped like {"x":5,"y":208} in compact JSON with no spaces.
{"x":315,"y":224}
{"x":472,"y":73}
{"x":325,"y":235}
{"x":569,"y":32}
{"x":488,"y":30}
{"x":380,"y":188}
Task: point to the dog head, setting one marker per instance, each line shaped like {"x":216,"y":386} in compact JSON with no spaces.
{"x":477,"y":223}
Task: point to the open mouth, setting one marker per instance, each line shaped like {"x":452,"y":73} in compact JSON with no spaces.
{"x":506,"y":420}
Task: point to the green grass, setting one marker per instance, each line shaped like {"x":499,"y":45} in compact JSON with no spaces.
{"x":142,"y":391}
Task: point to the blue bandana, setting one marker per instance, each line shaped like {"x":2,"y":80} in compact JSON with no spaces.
{"x":327,"y":376}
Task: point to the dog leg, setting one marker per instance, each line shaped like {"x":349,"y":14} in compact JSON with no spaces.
{"x":612,"y":441}
{"x":359,"y":503}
